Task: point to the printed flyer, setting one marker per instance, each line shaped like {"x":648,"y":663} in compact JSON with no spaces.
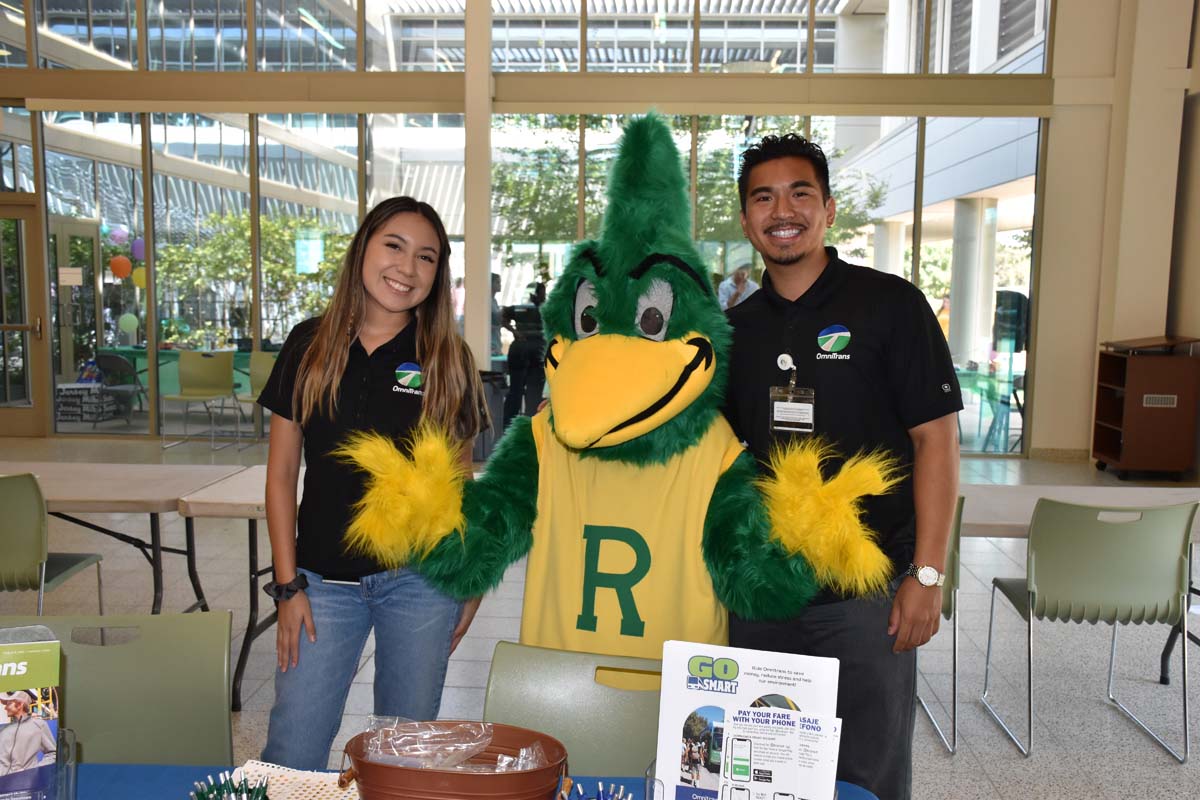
{"x":29,"y":711}
{"x":740,"y":724}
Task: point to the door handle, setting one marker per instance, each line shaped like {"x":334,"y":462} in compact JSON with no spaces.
{"x":35,"y":328}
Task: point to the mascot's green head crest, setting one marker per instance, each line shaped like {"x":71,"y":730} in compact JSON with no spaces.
{"x":636,"y":362}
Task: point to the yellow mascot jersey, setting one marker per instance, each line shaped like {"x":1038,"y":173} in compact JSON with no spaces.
{"x":617,"y":549}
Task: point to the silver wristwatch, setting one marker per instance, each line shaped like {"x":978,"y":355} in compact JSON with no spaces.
{"x":925,"y":575}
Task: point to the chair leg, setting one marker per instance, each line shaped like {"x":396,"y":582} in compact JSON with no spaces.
{"x":41,"y":587}
{"x":1112,"y":665}
{"x":212,"y":427}
{"x":99,"y":590}
{"x":950,"y":742}
{"x":987,"y":664}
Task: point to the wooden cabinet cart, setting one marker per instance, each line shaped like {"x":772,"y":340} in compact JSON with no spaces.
{"x":1146,"y":405}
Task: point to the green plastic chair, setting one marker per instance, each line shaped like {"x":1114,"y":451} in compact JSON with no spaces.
{"x":950,"y":614}
{"x":261,"y":364}
{"x":204,"y":378}
{"x":574,"y":698}
{"x":24,"y":541}
{"x":157,"y":692}
{"x":1101,"y":564}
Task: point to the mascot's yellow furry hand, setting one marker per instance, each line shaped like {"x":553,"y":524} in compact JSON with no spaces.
{"x":820,"y":519}
{"x":411,"y":502}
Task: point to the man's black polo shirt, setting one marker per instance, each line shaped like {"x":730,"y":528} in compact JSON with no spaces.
{"x":892,"y":374}
{"x":380,"y":392}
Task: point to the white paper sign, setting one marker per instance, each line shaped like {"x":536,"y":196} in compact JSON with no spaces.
{"x":739,"y":724}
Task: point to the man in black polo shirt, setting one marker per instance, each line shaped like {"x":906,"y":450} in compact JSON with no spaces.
{"x":872,"y":371}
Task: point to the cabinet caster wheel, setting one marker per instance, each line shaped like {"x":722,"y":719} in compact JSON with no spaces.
{"x":1100,"y":465}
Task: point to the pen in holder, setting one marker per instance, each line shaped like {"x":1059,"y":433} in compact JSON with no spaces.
{"x":65,"y":764}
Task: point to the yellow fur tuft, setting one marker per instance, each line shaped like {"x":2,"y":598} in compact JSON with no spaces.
{"x":410,"y":503}
{"x":821,"y":519}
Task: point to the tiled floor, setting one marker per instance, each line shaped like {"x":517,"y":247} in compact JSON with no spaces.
{"x":1084,"y":748}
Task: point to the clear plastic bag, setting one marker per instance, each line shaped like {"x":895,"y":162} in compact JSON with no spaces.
{"x":430,"y":745}
{"x":531,"y":757}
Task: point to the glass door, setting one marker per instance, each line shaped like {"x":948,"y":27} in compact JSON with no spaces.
{"x":24,"y":339}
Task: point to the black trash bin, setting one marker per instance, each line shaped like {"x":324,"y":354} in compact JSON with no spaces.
{"x":495,"y":386}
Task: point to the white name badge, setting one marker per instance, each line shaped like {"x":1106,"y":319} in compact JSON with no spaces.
{"x":792,"y":409}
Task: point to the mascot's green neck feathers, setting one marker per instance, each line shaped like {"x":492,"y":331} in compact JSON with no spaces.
{"x":636,"y":361}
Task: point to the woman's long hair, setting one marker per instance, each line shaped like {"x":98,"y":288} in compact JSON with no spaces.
{"x":453,"y":392}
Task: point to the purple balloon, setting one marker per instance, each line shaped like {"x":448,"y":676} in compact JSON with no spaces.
{"x":138,"y":249}
{"x":119,"y":235}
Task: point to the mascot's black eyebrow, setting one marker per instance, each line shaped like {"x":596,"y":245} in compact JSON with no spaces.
{"x":597,"y":265}
{"x":663,"y":258}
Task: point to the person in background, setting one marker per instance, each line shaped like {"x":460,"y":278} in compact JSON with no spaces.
{"x":497,"y":317}
{"x":460,"y":303}
{"x":526,"y":377}
{"x":384,"y":357}
{"x":943,"y":316}
{"x":736,"y":288}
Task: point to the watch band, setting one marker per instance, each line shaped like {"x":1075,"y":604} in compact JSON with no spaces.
{"x":286,"y":591}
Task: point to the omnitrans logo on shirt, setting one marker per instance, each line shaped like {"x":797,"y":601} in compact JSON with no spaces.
{"x":409,"y":379}
{"x":832,"y":341}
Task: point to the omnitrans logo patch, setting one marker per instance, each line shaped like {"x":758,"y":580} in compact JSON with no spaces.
{"x":408,"y":378}
{"x":706,"y":674}
{"x":832,"y":341}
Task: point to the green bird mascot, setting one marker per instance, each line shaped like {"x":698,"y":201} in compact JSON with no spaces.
{"x":643,"y":517}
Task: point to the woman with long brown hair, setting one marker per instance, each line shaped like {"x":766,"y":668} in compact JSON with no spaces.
{"x":385,"y":356}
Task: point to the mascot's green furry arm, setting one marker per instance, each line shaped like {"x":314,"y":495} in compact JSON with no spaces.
{"x":643,"y":517}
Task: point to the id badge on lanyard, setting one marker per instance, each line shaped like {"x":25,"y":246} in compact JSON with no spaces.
{"x":792,"y":407}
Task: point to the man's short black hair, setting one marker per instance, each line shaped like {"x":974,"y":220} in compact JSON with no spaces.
{"x":772,"y":147}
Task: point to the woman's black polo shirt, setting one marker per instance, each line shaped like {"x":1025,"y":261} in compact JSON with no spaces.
{"x":892,"y":374}
{"x":380,"y":392}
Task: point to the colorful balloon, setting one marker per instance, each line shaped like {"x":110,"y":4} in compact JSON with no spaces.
{"x":128,"y":323}
{"x":137,"y":249}
{"x":104,"y":229}
{"x":120,"y":266}
{"x":139,"y":277}
{"x":119,"y":235}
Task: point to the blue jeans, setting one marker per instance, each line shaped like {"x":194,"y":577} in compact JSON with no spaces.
{"x":413,"y":625}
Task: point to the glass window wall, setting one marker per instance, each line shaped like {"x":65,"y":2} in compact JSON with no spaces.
{"x":296,"y":36}
{"x":989,"y":36}
{"x":87,"y":34}
{"x":415,"y":35}
{"x":643,"y":38}
{"x":12,"y":33}
{"x":204,"y":35}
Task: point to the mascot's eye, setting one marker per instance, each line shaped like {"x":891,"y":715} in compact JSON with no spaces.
{"x":654,"y":310}
{"x":585,"y":310}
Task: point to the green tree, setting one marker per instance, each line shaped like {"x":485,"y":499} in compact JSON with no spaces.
{"x":217,"y":272}
{"x":694,"y":726}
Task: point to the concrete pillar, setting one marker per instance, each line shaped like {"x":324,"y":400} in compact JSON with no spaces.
{"x":477,"y":189}
{"x":889,"y":248}
{"x":972,"y":279}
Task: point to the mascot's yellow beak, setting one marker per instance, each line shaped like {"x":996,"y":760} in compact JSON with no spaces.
{"x":608,"y":389}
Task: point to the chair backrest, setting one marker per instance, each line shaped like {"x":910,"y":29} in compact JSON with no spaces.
{"x":604,"y":709}
{"x":160,"y":697}
{"x":202,"y":372}
{"x":117,"y":370}
{"x":23,"y":533}
{"x":261,"y":364}
{"x":949,"y":593}
{"x":1108,"y":564}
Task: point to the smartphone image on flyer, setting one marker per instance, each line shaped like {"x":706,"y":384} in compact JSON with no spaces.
{"x":739,"y":793}
{"x":784,"y":796}
{"x":739,"y":759}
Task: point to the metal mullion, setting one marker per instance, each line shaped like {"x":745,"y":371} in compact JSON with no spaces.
{"x":255,"y":256}
{"x":1049,"y":68}
{"x":91,"y":32}
{"x":250,"y":13}
{"x":581,"y":183}
{"x":1035,"y":276}
{"x":360,"y":50}
{"x":37,"y":141}
{"x":143,"y":58}
{"x":583,"y":67}
{"x":810,"y":58}
{"x":926,"y":36}
{"x":31,"y":58}
{"x":693,"y":172}
{"x":362,"y":164}
{"x":192,"y":31}
{"x":148,"y":236}
{"x":918,"y":200}
{"x":695,"y":69}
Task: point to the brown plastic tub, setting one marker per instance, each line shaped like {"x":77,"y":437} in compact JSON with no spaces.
{"x":391,"y":782}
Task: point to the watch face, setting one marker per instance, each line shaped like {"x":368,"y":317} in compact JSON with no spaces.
{"x":927,"y":576}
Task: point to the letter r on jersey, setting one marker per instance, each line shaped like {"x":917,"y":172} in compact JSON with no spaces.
{"x":621,"y":583}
